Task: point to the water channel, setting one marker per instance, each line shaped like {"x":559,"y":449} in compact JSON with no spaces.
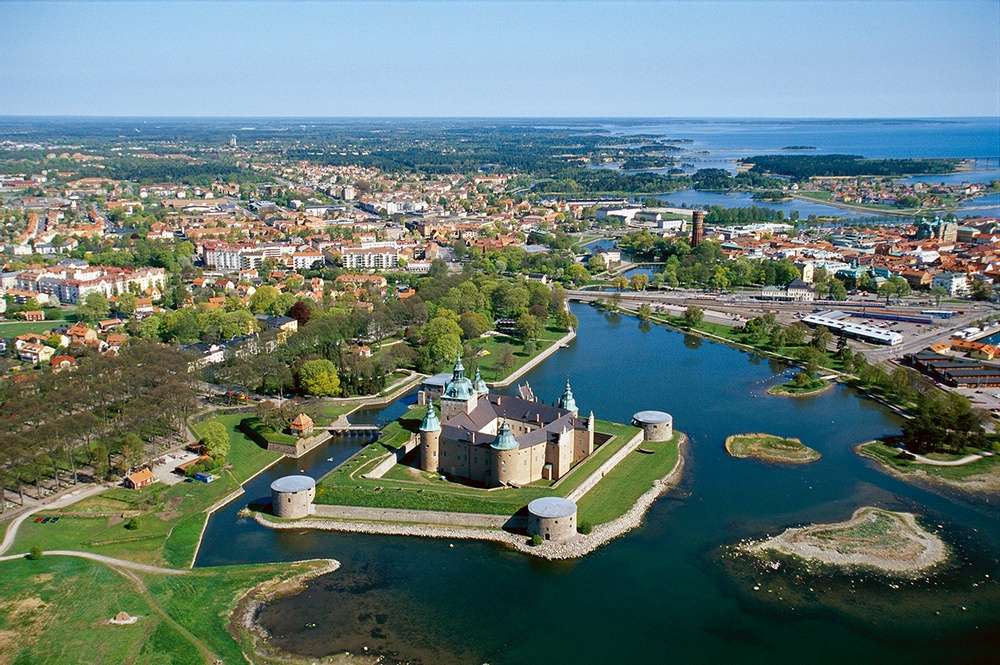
{"x":664,"y":592}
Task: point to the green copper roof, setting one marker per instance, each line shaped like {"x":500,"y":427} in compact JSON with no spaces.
{"x":479,"y":385}
{"x":567,"y":401}
{"x":505,"y":440}
{"x":430,"y":422}
{"x":459,"y":387}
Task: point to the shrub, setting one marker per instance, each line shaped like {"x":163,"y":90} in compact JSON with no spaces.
{"x":35,"y":554}
{"x":585,"y":528}
{"x":133,"y":524}
{"x":906,"y":455}
{"x":536,"y":540}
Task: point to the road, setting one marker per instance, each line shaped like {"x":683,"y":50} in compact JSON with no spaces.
{"x":62,"y":501}
{"x":110,"y":561}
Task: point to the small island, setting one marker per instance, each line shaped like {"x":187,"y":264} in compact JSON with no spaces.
{"x":873,"y":538}
{"x":770,"y":448}
{"x":801,"y":386}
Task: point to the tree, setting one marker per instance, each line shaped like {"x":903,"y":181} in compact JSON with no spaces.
{"x":639,"y":281}
{"x":94,"y":308}
{"x":837,"y":289}
{"x":887,"y":289}
{"x":300,"y":312}
{"x":821,"y":337}
{"x":693,"y":315}
{"x":620,"y":282}
{"x":597,"y":263}
{"x":443,"y":338}
{"x":263,"y":298}
{"x":133,"y":450}
{"x":645,"y":312}
{"x":577,"y":274}
{"x":54,"y":341}
{"x":981,"y":290}
{"x":319,"y":377}
{"x":125,"y":304}
{"x":528,"y":326}
{"x":796,"y":334}
{"x":938,"y":292}
{"x":473,"y":325}
{"x":216,"y":440}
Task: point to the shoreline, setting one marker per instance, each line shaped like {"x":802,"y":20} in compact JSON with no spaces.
{"x":534,"y":362}
{"x":920,"y":476}
{"x":243,"y":618}
{"x":817,"y":543}
{"x":576,"y":547}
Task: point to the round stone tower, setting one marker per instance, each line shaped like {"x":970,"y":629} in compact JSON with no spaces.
{"x":552,"y":518}
{"x":504,"y":451}
{"x":656,"y":425}
{"x":430,"y":440}
{"x":291,"y":496}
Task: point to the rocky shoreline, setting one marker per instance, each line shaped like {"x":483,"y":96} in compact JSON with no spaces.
{"x":797,"y":453}
{"x":579,"y":546}
{"x":872,"y":538}
{"x":243,"y":619}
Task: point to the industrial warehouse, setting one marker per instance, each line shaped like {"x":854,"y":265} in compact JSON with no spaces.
{"x":953,"y":371}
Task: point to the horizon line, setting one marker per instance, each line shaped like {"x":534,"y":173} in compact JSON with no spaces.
{"x":10,"y":116}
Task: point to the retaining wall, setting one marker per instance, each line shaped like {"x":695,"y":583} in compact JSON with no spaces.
{"x":393,"y":458}
{"x":419,"y":516}
{"x":603,"y":470}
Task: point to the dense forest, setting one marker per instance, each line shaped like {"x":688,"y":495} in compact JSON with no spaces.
{"x":801,"y":167}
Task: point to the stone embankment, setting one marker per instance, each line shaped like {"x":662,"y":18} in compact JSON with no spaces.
{"x":577,"y":547}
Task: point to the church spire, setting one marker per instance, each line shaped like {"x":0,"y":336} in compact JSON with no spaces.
{"x":567,"y":401}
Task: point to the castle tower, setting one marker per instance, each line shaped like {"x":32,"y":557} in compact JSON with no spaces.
{"x":698,"y":227}
{"x":567,"y":401}
{"x":478,"y":384}
{"x":459,"y":395}
{"x":504,"y":452}
{"x":430,"y":440}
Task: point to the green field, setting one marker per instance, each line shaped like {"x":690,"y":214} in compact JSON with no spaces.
{"x":56,"y":610}
{"x":630,"y":479}
{"x":406,"y":487}
{"x":888,"y":456}
{"x":21,"y":328}
{"x":792,"y":389}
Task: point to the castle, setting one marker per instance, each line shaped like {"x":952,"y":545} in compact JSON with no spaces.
{"x":498,"y":440}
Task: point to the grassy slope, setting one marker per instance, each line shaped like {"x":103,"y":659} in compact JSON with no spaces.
{"x":245,"y":456}
{"x":21,"y":328}
{"x":77,"y":597}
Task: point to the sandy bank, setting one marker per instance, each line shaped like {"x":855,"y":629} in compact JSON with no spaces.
{"x":872,"y":538}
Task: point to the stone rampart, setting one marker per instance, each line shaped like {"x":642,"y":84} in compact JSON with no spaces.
{"x":419,"y":516}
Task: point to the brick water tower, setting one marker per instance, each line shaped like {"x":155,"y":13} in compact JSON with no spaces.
{"x":698,"y":227}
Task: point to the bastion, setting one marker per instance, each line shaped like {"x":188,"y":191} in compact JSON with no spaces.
{"x":552,"y":518}
{"x":291,"y":496}
{"x":656,"y":425}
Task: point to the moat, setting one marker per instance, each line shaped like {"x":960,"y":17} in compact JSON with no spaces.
{"x":666,"y":591}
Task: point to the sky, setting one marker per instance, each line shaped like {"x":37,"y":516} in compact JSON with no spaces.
{"x":681,"y":58}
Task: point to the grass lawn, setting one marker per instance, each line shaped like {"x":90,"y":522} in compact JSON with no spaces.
{"x":245,"y":456}
{"x":401,"y":488}
{"x":489,"y":365}
{"x":887,"y":455}
{"x":630,"y":479}
{"x":56,"y":610}
{"x":819,"y":196}
{"x":21,"y":327}
{"x":170,"y":519}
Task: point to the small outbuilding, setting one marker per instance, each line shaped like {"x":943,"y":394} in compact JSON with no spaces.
{"x":302,"y":425}
{"x":291,"y":496}
{"x":140,"y":478}
{"x":552,"y":518}
{"x":656,"y":425}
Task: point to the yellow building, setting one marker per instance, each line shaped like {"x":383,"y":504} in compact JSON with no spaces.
{"x":497,"y":440}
